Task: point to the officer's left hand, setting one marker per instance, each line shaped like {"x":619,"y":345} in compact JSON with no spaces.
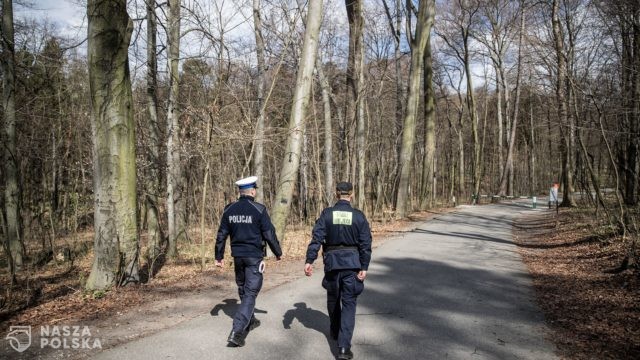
{"x":219,"y":263}
{"x":308,"y":269}
{"x":362,"y":274}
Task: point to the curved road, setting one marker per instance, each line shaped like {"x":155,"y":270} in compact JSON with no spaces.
{"x":453,"y":288}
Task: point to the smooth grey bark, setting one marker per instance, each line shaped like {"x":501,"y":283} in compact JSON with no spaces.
{"x":397,"y":55}
{"x":291,"y":160}
{"x":428,"y":167}
{"x":473,"y":113}
{"x":260,"y":92}
{"x":567,"y":176}
{"x":153,"y":183}
{"x":174,"y":169}
{"x":426,"y":12}
{"x":325,"y":90}
{"x":13,"y":231}
{"x":355,"y":91}
{"x":116,"y":246}
{"x":506,"y":183}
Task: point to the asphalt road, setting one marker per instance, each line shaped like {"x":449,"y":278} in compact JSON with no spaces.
{"x":453,"y":288}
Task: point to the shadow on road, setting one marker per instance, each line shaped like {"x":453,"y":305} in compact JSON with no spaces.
{"x":464,"y":235}
{"x":450,"y":310}
{"x":229,"y":307}
{"x":311,"y":319}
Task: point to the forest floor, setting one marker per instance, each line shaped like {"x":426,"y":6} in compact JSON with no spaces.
{"x":591,"y":306}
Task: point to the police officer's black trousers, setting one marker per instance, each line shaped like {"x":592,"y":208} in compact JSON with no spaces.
{"x":249,"y":281}
{"x":343,"y":288}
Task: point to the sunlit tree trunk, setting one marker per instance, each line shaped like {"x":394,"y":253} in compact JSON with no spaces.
{"x":426,"y":12}
{"x":258,"y":162}
{"x":116,"y":244}
{"x":328,"y":133}
{"x":291,"y":160}
{"x":427,"y":195}
{"x":355,"y":84}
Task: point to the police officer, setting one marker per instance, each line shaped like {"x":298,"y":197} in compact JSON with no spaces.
{"x":344,"y":235}
{"x":249,"y":225}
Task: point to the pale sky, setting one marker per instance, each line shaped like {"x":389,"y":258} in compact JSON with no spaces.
{"x":68,"y":16}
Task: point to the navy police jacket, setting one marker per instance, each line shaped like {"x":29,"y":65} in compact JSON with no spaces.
{"x":344,"y":235}
{"x":248,"y":224}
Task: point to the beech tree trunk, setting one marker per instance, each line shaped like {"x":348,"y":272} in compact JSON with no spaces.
{"x":260,"y":92}
{"x":291,"y":161}
{"x":567,"y":176}
{"x":426,"y":13}
{"x":116,"y":245}
{"x":328,"y":134}
{"x":153,"y":182}
{"x":355,"y":98}
{"x":427,"y":195}
{"x":174,"y":168}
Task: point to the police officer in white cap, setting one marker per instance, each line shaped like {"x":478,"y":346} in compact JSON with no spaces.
{"x":249,"y":226}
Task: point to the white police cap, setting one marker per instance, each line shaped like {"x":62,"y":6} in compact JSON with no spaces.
{"x":247,"y":183}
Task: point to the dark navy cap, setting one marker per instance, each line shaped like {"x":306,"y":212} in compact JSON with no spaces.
{"x":344,"y":188}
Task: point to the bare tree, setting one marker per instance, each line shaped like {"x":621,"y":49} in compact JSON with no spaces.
{"x":427,"y":184}
{"x":258,"y":159}
{"x":328,"y":132}
{"x":13,"y":231}
{"x":291,"y":161}
{"x":116,"y":246}
{"x":561,"y":88}
{"x":153,"y":183}
{"x":426,"y":13}
{"x":174,"y":172}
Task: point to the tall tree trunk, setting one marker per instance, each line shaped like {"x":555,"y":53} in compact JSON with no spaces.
{"x":354,"y":101}
{"x":506,"y":183}
{"x":426,"y":12}
{"x":153,"y":183}
{"x":291,"y":160}
{"x":116,"y":245}
{"x":633,"y":170}
{"x":328,"y":133}
{"x":174,"y":168}
{"x":499,"y":85}
{"x":473,"y":114}
{"x":567,"y":176}
{"x":533,"y":180}
{"x":258,"y":161}
{"x":427,"y":194}
{"x":12,"y":194}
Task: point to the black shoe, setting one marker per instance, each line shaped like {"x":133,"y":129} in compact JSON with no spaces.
{"x":345,"y":354}
{"x":236,"y":339}
{"x":254,"y":323}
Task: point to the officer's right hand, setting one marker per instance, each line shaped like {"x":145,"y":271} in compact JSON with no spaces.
{"x":219,"y":263}
{"x":308,"y":269}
